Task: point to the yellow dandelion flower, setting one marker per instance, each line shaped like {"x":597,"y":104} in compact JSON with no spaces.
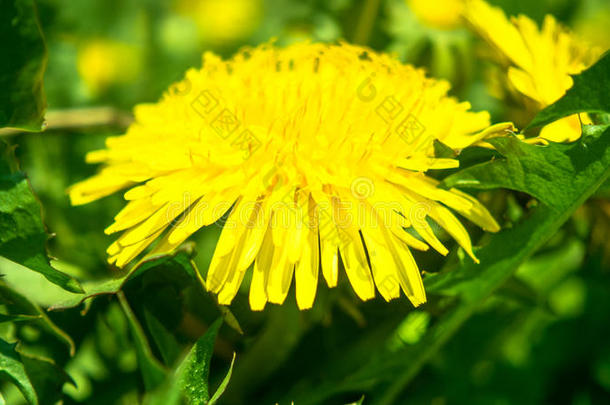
{"x":441,"y":14}
{"x":317,"y":154}
{"x":540,"y":60}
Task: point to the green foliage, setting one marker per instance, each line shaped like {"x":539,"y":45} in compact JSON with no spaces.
{"x":179,"y":261}
{"x":527,"y":325}
{"x":194,"y":372}
{"x":12,"y":367}
{"x":38,"y":379}
{"x":24,"y":58}
{"x":555,"y":174}
{"x":22,"y":233}
{"x":152,"y":371}
{"x":190,"y":379}
{"x":471,"y":284}
{"x":21,"y":308}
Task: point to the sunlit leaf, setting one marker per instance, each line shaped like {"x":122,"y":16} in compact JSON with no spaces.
{"x":22,"y":233}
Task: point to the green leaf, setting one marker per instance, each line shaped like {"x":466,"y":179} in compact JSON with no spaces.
{"x":12,"y":369}
{"x":190,"y":379}
{"x":501,"y":257}
{"x":165,"y":341}
{"x":39,"y":380}
{"x":180,"y":258}
{"x":22,"y":234}
{"x":152,"y":370}
{"x":443,"y":151}
{"x":24,"y":59}
{"x":16,"y":303}
{"x":545,"y":172}
{"x":194,"y":372}
{"x":46,"y":377}
{"x":590,"y":93}
{"x":223,"y":385}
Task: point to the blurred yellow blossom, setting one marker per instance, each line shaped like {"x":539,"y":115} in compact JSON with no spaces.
{"x":442,"y":14}
{"x":103,"y":62}
{"x":223,"y":21}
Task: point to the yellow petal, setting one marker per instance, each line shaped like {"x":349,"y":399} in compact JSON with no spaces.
{"x":260,"y":275}
{"x":306,"y":272}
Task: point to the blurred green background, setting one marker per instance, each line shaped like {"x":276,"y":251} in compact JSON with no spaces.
{"x":540,"y":339}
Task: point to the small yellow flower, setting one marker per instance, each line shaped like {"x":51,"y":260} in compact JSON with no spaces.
{"x":540,"y":61}
{"x":223,"y":21}
{"x":319,"y":155}
{"x":104,"y":62}
{"x":441,"y":14}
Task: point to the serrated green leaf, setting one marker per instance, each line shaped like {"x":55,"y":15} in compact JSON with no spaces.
{"x":545,"y":172}
{"x":22,"y":234}
{"x":153,"y":372}
{"x":24,"y":58}
{"x":590,"y":93}
{"x":501,"y":257}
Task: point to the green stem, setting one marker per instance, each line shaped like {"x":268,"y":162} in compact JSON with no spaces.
{"x":78,"y":118}
{"x":366,"y":22}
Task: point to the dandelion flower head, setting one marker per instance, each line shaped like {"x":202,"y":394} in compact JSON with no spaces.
{"x":317,"y":157}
